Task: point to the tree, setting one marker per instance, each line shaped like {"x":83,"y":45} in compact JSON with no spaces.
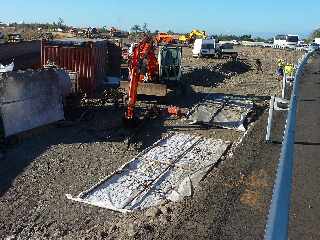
{"x":228,"y":37}
{"x":245,"y":38}
{"x":60,"y":22}
{"x":136,"y":28}
{"x":170,"y":32}
{"x":145,"y":28}
{"x":315,"y":34}
{"x":260,"y":39}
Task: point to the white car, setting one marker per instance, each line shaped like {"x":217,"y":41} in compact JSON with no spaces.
{"x":235,"y":42}
{"x":313,"y":47}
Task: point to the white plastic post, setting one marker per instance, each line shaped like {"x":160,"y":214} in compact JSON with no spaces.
{"x":269,"y":126}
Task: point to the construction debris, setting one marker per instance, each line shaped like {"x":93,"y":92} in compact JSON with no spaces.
{"x":169,"y":170}
{"x":222,"y":112}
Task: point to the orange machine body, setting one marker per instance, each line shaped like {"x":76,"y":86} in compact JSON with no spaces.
{"x":164,"y":38}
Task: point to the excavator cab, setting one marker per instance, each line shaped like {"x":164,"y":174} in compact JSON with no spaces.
{"x":169,"y":59}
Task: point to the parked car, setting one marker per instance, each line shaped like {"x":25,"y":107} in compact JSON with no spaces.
{"x":14,"y":38}
{"x":235,"y":42}
{"x":314,"y":47}
{"x":2,"y":39}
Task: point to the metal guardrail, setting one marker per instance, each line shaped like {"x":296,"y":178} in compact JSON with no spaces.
{"x":278,"y":219}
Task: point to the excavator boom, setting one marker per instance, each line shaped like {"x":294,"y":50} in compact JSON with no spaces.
{"x":143,"y":67}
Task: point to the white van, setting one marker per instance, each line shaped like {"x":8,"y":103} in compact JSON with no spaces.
{"x":317,"y":40}
{"x":204,"y":47}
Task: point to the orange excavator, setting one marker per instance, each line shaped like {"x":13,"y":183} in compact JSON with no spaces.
{"x":151,"y":72}
{"x":143,"y":67}
{"x":164,"y":38}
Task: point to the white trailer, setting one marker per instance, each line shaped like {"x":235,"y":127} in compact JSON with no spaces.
{"x":317,"y":40}
{"x":288,"y":40}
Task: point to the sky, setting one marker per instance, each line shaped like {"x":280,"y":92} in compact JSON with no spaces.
{"x":257,"y":17}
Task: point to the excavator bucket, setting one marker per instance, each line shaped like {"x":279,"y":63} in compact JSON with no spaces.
{"x":145,"y":88}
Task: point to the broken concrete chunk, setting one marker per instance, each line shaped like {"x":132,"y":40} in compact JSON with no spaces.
{"x":29,"y":99}
{"x":222,"y":112}
{"x":153,"y":212}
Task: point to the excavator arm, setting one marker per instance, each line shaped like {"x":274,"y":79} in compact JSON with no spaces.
{"x":143,"y":66}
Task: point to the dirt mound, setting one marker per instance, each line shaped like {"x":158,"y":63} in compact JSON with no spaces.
{"x":237,"y":67}
{"x":205,"y":76}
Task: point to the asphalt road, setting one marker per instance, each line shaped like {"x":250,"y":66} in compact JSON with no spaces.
{"x":305,"y":208}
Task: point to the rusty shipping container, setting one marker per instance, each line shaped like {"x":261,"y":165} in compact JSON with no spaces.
{"x":88,"y":58}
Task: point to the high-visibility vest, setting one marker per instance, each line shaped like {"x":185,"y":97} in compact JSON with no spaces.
{"x":289,"y":70}
{"x":280,"y":63}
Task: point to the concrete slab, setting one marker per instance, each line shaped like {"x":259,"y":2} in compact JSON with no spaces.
{"x":31,"y":99}
{"x":169,"y":170}
{"x":225,"y":113}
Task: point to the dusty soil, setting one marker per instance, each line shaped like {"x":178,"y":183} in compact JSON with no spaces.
{"x":230,"y":203}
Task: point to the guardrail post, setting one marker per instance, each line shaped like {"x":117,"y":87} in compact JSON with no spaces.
{"x":270,"y":117}
{"x":283,"y":86}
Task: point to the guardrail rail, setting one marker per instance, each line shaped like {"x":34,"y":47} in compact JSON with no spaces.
{"x":278,"y":218}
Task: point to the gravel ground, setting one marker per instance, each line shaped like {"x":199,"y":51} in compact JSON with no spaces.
{"x":230,"y":203}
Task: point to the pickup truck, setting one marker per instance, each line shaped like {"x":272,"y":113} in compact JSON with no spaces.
{"x":15,"y":38}
{"x":228,"y":51}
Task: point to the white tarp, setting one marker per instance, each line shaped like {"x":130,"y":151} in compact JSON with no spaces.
{"x":225,"y":113}
{"x":6,"y":68}
{"x":170,"y":169}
